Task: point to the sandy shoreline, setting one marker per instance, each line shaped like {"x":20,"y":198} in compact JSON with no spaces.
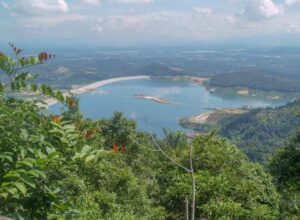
{"x":93,"y":86}
{"x":215,"y":115}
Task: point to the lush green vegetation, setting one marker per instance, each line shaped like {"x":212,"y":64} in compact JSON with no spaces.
{"x":285,"y":168}
{"x":258,"y":132}
{"x":254,"y":80}
{"x":261,"y":131}
{"x":69,"y":167}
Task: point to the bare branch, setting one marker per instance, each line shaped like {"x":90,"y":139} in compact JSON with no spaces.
{"x":193,"y":183}
{"x":187,"y":217}
{"x":137,"y":143}
{"x":163,"y":152}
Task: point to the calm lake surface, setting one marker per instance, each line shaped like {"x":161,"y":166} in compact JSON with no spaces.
{"x":191,"y":99}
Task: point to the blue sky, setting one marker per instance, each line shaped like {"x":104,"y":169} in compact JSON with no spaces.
{"x":150,"y":22}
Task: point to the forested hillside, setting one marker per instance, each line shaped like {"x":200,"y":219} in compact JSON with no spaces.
{"x":258,"y":132}
{"x":254,"y":80}
{"x":155,"y":69}
{"x":69,"y":167}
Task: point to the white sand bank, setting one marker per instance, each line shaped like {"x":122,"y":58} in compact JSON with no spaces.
{"x":93,"y":86}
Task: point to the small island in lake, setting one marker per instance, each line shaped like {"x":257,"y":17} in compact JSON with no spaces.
{"x":155,"y":99}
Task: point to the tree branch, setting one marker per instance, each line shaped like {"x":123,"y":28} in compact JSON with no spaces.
{"x":137,"y":143}
{"x":163,"y":152}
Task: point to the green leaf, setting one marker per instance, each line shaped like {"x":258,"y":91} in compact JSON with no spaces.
{"x":42,"y":174}
{"x":21,"y":187}
{"x":33,"y":87}
{"x":7,"y":157}
{"x":50,"y":150}
{"x":32,"y":60}
{"x":23,"y":152}
{"x":24,"y":132}
{"x":22,"y":61}
{"x":86,"y":149}
{"x":57,"y":190}
{"x":49,"y":91}
{"x":40,"y":153}
{"x":29,"y":182}
{"x":33,"y":173}
{"x":44,"y":88}
{"x":11,"y":174}
{"x":26,"y":163}
{"x":89,"y":158}
{"x":59,"y":96}
{"x":12,"y":190}
{"x":13,"y":85}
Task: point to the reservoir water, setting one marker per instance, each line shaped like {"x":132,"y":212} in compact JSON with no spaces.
{"x":190,"y":99}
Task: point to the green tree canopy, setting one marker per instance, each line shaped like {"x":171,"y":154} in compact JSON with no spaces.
{"x":228,"y":185}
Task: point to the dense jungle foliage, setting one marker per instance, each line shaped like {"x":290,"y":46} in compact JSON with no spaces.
{"x":69,"y":167}
{"x":258,"y":132}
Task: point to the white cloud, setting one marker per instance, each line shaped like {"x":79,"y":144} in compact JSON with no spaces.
{"x":133,"y":1}
{"x":97,"y":2}
{"x":91,"y":2}
{"x":230,"y":19}
{"x":41,"y":6}
{"x":166,"y":25}
{"x":97,"y":28}
{"x":291,"y":2}
{"x":51,"y":20}
{"x":261,"y":9}
{"x":124,"y":26}
{"x":203,"y":10}
{"x":293,"y":27}
{"x":5,"y":5}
